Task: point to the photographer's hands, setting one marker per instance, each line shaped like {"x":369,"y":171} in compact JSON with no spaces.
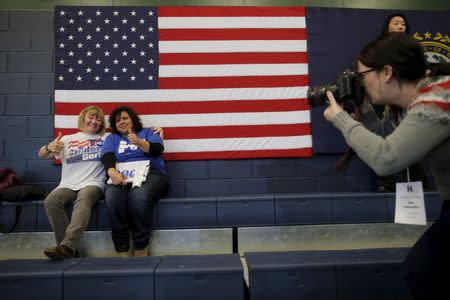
{"x":333,"y":108}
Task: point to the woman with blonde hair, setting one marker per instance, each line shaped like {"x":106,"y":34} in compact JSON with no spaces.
{"x":82,"y":180}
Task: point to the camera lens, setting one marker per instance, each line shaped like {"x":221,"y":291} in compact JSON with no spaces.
{"x":317,"y":96}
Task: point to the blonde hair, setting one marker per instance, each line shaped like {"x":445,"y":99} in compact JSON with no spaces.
{"x":93,"y":110}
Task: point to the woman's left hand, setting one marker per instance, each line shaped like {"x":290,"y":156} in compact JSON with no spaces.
{"x":133,"y":138}
{"x":159,"y":130}
{"x":333,"y":109}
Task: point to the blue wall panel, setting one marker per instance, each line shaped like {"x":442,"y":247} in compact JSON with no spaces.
{"x":207,"y":187}
{"x":31,"y":20}
{"x":3,"y":61}
{"x":40,"y":126}
{"x":283,"y":167}
{"x":230,"y":168}
{"x":15,"y":41}
{"x":296,"y":185}
{"x":42,"y":83}
{"x":42,"y":40}
{"x":251,"y":186}
{"x":187,"y":169}
{"x":14,"y":83}
{"x":30,"y":104}
{"x":4,"y":20}
{"x":30,"y":62}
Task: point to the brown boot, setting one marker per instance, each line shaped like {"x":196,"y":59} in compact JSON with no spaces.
{"x":122,"y":254}
{"x":59,"y":252}
{"x":141,"y":253}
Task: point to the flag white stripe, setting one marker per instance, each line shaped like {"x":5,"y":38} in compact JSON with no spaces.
{"x":227,"y":119}
{"x":232,"y":46}
{"x":232,"y":70}
{"x":160,"y":95}
{"x":238,"y":144}
{"x":230,"y":22}
{"x":213,"y":119}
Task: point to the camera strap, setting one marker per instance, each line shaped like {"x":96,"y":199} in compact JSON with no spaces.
{"x":344,"y":161}
{"x":398,"y":114}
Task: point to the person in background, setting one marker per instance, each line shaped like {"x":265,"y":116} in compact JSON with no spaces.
{"x":82,"y":181}
{"x":130,"y":208}
{"x":396,"y":23}
{"x":393,"y":71}
{"x":393,"y":23}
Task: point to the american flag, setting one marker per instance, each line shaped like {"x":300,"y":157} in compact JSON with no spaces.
{"x":223,"y":82}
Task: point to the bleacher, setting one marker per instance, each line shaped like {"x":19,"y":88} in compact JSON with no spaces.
{"x":286,"y":246}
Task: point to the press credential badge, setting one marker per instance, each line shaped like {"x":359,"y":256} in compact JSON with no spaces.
{"x":410,"y":204}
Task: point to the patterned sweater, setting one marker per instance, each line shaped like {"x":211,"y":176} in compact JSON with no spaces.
{"x":424,"y":133}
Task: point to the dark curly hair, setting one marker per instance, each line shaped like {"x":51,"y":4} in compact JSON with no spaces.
{"x":135,"y":119}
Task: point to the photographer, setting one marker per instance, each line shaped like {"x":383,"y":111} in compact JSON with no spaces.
{"x":396,"y":23}
{"x":392,"y":69}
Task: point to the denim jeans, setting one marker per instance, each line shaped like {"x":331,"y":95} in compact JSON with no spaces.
{"x":428,"y":263}
{"x":130,"y":211}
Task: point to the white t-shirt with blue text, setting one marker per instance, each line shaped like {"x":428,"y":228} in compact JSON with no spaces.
{"x":81,"y":161}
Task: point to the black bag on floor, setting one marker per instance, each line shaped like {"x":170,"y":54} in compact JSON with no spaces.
{"x":12,"y":190}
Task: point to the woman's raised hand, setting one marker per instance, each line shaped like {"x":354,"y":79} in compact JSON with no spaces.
{"x":56,"y":146}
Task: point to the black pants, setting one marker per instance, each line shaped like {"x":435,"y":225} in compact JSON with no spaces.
{"x":130,"y":211}
{"x":428,"y":263}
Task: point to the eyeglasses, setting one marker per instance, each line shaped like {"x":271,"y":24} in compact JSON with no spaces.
{"x":360,"y":75}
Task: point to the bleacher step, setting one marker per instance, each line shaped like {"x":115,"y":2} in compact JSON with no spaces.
{"x":369,"y":274}
{"x":220,"y":240}
{"x":328,"y":237}
{"x":99,"y":244}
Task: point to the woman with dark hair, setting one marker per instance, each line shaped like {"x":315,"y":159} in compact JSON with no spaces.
{"x":393,"y":71}
{"x":129,"y":202}
{"x":395,"y":23}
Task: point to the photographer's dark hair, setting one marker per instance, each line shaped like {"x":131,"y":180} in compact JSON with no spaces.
{"x":388,"y":19}
{"x":135,"y":119}
{"x":399,"y":50}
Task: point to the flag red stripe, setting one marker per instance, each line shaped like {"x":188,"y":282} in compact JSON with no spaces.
{"x":232,"y":58}
{"x":232,"y":82}
{"x":304,"y":152}
{"x":230,"y":11}
{"x":205,"y":132}
{"x":175,"y":133}
{"x":232,"y":34}
{"x":157,"y":108}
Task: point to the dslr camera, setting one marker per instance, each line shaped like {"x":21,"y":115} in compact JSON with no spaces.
{"x":347,"y":90}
